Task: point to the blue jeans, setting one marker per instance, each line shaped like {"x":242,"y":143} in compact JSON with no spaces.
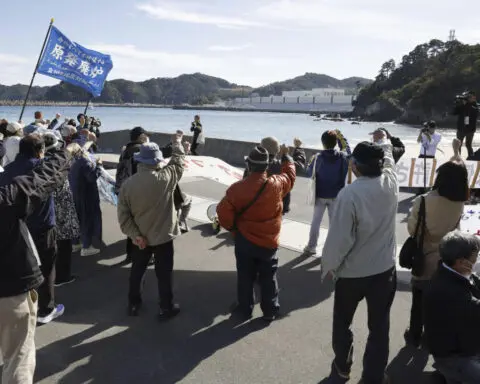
{"x":459,"y":370}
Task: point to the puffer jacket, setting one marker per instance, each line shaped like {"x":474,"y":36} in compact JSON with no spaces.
{"x":442,"y":216}
{"x":261,"y":223}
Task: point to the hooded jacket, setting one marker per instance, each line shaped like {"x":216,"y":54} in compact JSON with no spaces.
{"x":262,"y":222}
{"x":19,"y":270}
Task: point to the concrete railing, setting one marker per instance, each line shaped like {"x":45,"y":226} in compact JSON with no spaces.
{"x":230,"y":151}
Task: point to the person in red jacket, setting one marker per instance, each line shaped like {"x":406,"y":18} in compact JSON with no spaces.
{"x":252,"y":210}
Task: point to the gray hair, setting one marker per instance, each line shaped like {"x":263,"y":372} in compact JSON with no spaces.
{"x":457,"y":245}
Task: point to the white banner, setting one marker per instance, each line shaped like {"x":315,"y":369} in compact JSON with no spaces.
{"x":410,"y":172}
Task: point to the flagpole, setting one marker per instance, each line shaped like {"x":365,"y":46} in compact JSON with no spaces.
{"x":36,"y":67}
{"x":88,"y":104}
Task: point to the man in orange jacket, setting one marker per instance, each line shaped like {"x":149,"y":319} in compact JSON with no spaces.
{"x":252,"y":210}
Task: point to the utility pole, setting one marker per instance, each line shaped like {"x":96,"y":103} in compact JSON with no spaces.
{"x":451,"y":36}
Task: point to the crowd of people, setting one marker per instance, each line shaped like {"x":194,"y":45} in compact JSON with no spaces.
{"x":50,"y":208}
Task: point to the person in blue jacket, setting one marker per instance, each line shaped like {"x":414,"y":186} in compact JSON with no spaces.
{"x":329,"y":168}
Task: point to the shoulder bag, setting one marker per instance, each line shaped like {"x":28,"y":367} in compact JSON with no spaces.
{"x":412,"y":255}
{"x":247,"y":207}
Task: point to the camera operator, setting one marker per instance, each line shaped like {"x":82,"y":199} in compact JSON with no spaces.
{"x":90,"y":123}
{"x":466,"y":110}
{"x":429,"y":139}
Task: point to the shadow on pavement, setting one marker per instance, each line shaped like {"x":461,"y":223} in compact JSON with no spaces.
{"x":113,"y":348}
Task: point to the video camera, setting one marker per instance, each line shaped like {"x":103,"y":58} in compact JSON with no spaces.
{"x":94,"y":122}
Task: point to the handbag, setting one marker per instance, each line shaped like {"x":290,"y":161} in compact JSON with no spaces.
{"x":412,"y":255}
{"x":240,"y":213}
{"x":312,"y":187}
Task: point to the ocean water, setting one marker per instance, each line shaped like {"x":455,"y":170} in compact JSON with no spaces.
{"x":246,"y":126}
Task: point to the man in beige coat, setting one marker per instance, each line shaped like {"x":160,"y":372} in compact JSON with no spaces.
{"x":147,"y":215}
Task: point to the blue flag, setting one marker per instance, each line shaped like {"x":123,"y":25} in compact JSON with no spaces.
{"x":74,"y":64}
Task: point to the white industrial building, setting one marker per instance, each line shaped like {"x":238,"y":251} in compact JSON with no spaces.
{"x":317,"y":99}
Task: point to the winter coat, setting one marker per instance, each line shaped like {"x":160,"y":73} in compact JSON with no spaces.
{"x":261,"y":223}
{"x":83,"y":183}
{"x":146,"y":202}
{"x":19,"y":269}
{"x":68,"y":226}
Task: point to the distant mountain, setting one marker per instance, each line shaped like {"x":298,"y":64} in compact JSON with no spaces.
{"x":310,"y":81}
{"x":193,"y":89}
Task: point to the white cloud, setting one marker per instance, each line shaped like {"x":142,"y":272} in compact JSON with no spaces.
{"x":9,"y":59}
{"x":229,"y":48}
{"x":169,"y":11}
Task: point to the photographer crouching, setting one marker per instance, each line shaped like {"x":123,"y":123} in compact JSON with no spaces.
{"x":466,"y":110}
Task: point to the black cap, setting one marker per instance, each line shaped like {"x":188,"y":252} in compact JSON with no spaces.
{"x":368,"y":153}
{"x":136,"y":132}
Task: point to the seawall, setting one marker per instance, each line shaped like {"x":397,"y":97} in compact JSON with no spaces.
{"x":230,"y":151}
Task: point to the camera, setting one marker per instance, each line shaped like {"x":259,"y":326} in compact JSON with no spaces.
{"x":95,"y":122}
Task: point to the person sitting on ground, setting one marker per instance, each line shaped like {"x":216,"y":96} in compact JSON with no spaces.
{"x":85,"y":171}
{"x":11,"y":141}
{"x":146,"y":214}
{"x":452,"y":311}
{"x":443,"y":211}
{"x":127,"y":166}
{"x":252,"y":211}
{"x":20,"y":274}
{"x":41,"y":224}
{"x":330,"y":169}
{"x":380,"y":137}
{"x":359,"y":254}
{"x":299,"y":157}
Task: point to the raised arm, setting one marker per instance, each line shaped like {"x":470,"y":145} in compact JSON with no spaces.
{"x":175,"y":167}
{"x":343,"y":143}
{"x":286,"y":179}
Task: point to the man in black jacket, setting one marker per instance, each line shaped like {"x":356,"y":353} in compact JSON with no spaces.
{"x":20,"y":273}
{"x":127,"y":167}
{"x":451,"y":309}
{"x":466,"y":110}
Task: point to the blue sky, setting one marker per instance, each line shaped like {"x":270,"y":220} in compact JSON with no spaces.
{"x":251,"y":42}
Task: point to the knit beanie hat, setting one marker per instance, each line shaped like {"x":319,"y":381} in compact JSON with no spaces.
{"x":272,"y":145}
{"x":258,"y":156}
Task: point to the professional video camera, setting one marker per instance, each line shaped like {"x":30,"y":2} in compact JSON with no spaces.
{"x":95,"y":122}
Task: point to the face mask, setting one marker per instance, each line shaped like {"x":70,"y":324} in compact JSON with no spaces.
{"x":382,"y":142}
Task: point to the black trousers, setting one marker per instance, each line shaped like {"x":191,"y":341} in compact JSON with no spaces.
{"x":129,"y":249}
{"x":416,"y":317}
{"x":163,"y":269}
{"x":46,"y":244}
{"x":379,"y":292}
{"x":468,"y":136}
{"x":63,"y":264}
{"x":193,"y":148}
{"x":256,"y":263}
{"x":286,"y":203}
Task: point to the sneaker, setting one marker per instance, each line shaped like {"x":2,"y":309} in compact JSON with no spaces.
{"x":90,"y":251}
{"x":76,"y":248}
{"x":71,"y":279}
{"x":309,"y":251}
{"x":269,"y":317}
{"x":167,"y":314}
{"x":56,"y":312}
{"x":134,"y":309}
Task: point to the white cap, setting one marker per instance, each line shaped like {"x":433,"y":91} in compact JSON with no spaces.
{"x":14,"y":127}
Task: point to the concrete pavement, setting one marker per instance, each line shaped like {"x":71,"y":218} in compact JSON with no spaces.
{"x":95,"y":342}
